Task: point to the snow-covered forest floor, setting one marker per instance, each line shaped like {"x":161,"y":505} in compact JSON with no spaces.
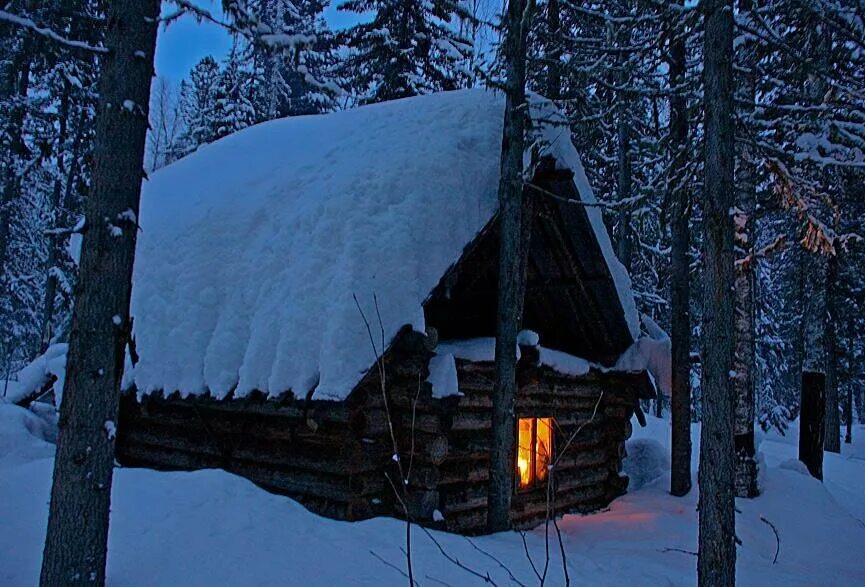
{"x":213,"y":528}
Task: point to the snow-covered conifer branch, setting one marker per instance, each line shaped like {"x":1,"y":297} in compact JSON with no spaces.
{"x":46,"y":32}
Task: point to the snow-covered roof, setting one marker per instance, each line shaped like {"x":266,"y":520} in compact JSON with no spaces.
{"x":253,"y":249}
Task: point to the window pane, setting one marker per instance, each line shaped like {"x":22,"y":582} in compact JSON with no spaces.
{"x":544,"y":447}
{"x":524,"y":451}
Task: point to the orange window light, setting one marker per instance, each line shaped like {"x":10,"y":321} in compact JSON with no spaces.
{"x":534,"y":450}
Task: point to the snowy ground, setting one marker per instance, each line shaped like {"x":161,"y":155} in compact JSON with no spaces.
{"x":209,"y":527}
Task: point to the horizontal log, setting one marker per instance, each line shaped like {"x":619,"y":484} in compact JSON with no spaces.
{"x":274,"y":427}
{"x":335,"y":412}
{"x":350,"y":453}
{"x":285,"y":477}
{"x":165,"y":459}
{"x":530,"y":514}
{"x":471,"y":445}
{"x":304,"y":483}
{"x":377,"y":424}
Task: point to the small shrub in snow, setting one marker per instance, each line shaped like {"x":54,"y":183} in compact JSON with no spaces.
{"x":646,"y":461}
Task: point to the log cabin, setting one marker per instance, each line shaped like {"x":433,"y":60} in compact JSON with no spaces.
{"x":314,"y":307}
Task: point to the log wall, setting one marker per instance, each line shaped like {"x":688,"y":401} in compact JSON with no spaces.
{"x":337,"y":457}
{"x":588,"y":474}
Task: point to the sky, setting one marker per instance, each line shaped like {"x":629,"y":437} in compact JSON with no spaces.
{"x":185,"y":41}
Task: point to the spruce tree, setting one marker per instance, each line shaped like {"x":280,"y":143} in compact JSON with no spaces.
{"x":198,"y":105}
{"x":294,"y":79}
{"x":411,"y":47}
{"x":233,"y":109}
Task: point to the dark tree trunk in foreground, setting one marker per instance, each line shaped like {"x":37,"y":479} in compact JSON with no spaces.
{"x":716,"y":562}
{"x":512,"y":268}
{"x":811,"y":418}
{"x":680,"y":291}
{"x":745,"y":356}
{"x":76,"y":542}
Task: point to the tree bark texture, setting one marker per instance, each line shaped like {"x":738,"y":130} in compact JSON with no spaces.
{"x":554,"y":51}
{"x":811,"y":422}
{"x":76,"y":542}
{"x":716,"y":562}
{"x":680,"y":292}
{"x":50,"y":276}
{"x":512,"y":268}
{"x":16,"y":83}
{"x":745,"y":356}
{"x":832,"y":442}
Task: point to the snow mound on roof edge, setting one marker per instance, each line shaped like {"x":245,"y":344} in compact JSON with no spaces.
{"x":238,"y":284}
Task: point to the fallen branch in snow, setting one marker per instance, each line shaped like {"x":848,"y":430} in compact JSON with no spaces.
{"x":36,"y":394}
{"x":668,"y":549}
{"x":777,"y":538}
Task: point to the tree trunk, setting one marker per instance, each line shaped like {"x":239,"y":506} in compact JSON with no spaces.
{"x":50,"y":277}
{"x":716,"y":562}
{"x":745,"y":357}
{"x":512,"y":268}
{"x":623,"y":138}
{"x":811,"y":421}
{"x":680,"y":294}
{"x":76,"y":541}
{"x":832,"y":442}
{"x":553,"y":51}
{"x":848,"y":415}
{"x":14,"y":148}
{"x":624,"y":190}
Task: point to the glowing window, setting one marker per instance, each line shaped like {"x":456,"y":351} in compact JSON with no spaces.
{"x":534,"y":450}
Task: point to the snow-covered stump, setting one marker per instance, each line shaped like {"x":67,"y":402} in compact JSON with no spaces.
{"x":811,"y":423}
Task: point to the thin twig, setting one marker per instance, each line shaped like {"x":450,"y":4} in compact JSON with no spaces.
{"x":529,"y":556}
{"x":391,"y":565}
{"x":396,"y":455}
{"x":496,"y":560}
{"x":484,"y":577}
{"x":562,"y":552}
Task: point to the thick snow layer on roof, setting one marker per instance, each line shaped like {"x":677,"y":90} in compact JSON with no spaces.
{"x":252,"y":249}
{"x":443,"y":373}
{"x":650,"y":355}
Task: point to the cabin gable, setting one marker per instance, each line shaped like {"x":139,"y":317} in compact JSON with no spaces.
{"x":570,"y":298}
